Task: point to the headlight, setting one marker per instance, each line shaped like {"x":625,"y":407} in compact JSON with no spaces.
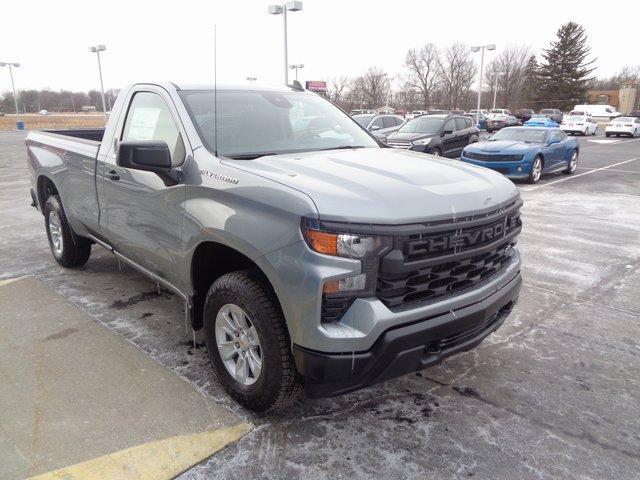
{"x":424,"y":141}
{"x":340,"y":293}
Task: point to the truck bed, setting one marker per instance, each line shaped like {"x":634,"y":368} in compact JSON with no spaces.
{"x":94,"y":134}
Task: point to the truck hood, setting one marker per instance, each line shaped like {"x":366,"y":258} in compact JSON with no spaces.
{"x":384,"y":185}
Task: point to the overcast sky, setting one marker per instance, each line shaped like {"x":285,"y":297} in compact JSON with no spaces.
{"x":174,"y":40}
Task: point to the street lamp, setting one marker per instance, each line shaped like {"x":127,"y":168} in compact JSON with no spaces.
{"x":292,"y":6}
{"x":19,"y":124}
{"x":481,"y":49}
{"x":296,"y":67}
{"x":97,"y":49}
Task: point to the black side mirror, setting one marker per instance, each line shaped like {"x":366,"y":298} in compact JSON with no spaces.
{"x":446,"y":132}
{"x":149,"y":156}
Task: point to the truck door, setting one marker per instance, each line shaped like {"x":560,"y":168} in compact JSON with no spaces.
{"x":143,"y":216}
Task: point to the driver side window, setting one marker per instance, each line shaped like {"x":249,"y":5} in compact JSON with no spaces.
{"x":149,"y":119}
{"x":449,"y":126}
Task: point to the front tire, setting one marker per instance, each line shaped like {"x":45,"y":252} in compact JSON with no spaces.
{"x":248,"y":342}
{"x":67,"y":248}
{"x":436,"y":152}
{"x":573,"y":164}
{"x":536,"y":171}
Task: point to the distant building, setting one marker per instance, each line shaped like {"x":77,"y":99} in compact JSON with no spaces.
{"x":625,"y":99}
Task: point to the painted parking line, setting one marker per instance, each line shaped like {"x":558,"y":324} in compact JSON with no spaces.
{"x":535,"y":187}
{"x":158,"y":460}
{"x":618,"y":170}
{"x":604,"y":141}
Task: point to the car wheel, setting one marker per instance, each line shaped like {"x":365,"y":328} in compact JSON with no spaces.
{"x":536,"y":171}
{"x":68,"y":249}
{"x":248,"y":342}
{"x":573,"y":163}
{"x":436,"y":152}
{"x":607,"y":135}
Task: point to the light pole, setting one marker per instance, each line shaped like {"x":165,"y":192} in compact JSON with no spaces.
{"x":19,"y":124}
{"x":97,"y":49}
{"x":481,"y":49}
{"x":296,"y":67}
{"x":293,"y":6}
{"x":495,"y":90}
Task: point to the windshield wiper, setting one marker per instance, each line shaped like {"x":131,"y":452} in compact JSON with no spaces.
{"x":250,"y":156}
{"x":341,"y":147}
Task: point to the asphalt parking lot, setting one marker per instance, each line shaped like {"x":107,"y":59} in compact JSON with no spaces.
{"x":553,"y":394}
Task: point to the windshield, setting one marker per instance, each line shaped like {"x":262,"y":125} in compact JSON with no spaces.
{"x":544,"y":110}
{"x":576,"y":118}
{"x":422,"y":125}
{"x":574,"y":113}
{"x":363,"y":119}
{"x":255,"y":123}
{"x":520,"y":134}
{"x":623,"y":119}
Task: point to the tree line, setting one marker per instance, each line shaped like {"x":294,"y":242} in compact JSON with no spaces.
{"x":32,"y":101}
{"x":446,"y":78}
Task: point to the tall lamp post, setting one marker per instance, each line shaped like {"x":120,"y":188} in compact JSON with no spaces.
{"x":293,"y":6}
{"x":19,"y":124}
{"x":97,"y":49}
{"x":481,"y":49}
{"x":296,"y":67}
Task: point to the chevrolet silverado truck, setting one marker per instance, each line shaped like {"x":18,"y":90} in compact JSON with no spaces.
{"x":313,"y":257}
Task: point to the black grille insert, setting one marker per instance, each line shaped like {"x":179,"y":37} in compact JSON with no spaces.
{"x":493,"y":157}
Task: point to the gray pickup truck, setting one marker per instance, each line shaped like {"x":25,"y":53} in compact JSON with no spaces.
{"x":313,"y":256}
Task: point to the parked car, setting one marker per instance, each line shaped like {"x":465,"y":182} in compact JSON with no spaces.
{"x":524,"y":114}
{"x":553,"y":113}
{"x":312,"y":257}
{"x":438,"y":135}
{"x":482,"y":121}
{"x":525,"y":152}
{"x":415,"y":113}
{"x":474,"y":110}
{"x":498,"y":121}
{"x":602,"y":111}
{"x":540,"y":120}
{"x":579,"y":122}
{"x":628,"y":126}
{"x":44,"y":112}
{"x":439,"y":112}
{"x":512,"y":121}
{"x":380,"y":125}
{"x":458,"y":112}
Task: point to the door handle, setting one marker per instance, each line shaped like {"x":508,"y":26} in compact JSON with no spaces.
{"x":112,"y":175}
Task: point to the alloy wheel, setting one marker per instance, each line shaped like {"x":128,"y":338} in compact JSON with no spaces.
{"x":238,"y":344}
{"x":55,"y":229}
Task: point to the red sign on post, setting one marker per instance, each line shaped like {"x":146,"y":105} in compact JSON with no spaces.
{"x":317,"y":86}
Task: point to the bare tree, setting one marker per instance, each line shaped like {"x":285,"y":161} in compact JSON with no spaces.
{"x":457,"y":71}
{"x":423,"y":68}
{"x":338,"y":88}
{"x":510,"y":66}
{"x":374,"y":85}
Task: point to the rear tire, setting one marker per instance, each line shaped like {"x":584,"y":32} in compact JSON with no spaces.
{"x":69,"y":249}
{"x":573,"y":164}
{"x":277,"y":383}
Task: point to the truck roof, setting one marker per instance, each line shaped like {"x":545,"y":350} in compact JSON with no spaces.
{"x":226,"y":86}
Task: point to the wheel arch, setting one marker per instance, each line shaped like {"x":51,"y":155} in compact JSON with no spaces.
{"x":45,"y":187}
{"x":211,"y":260}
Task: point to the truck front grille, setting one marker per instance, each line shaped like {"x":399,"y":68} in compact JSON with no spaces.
{"x":445,"y":259}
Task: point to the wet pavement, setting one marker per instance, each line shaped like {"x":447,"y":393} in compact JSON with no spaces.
{"x":553,"y":394}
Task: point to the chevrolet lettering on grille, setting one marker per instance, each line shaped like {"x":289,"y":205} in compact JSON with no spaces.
{"x":464,"y":239}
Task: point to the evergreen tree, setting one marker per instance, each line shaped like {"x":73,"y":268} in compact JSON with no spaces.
{"x":531,"y":84}
{"x":565,"y":72}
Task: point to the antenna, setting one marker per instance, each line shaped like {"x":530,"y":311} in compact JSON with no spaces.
{"x":215,"y":91}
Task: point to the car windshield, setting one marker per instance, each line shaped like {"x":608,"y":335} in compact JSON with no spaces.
{"x":425,"y":124}
{"x":252,"y":123}
{"x":575,"y":117}
{"x":520,"y":134}
{"x":496,"y":111}
{"x":577,"y":112}
{"x":623,"y":119}
{"x":546,"y":111}
{"x":363,"y":119}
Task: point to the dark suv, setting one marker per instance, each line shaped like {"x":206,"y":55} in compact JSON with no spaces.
{"x":438,"y":135}
{"x":553,"y":113}
{"x":524,"y":114}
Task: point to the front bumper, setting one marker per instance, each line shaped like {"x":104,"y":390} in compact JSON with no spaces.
{"x":515,"y":170}
{"x":406,"y":348}
{"x":566,"y":129}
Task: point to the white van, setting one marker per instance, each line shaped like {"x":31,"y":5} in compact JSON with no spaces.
{"x":604,"y":111}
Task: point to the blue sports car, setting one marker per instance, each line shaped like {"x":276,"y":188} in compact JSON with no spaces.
{"x":525,"y":152}
{"x":540,"y":121}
